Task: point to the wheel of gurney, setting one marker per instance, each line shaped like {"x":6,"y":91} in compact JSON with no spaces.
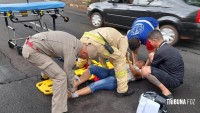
{"x":10,"y":45}
{"x":66,"y":19}
{"x":19,"y":50}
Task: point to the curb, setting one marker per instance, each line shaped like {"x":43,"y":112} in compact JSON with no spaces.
{"x":81,"y":7}
{"x":76,"y":4}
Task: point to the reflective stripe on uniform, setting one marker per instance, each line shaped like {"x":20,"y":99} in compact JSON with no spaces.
{"x":95,"y":37}
{"x":106,"y":53}
{"x":120,"y":74}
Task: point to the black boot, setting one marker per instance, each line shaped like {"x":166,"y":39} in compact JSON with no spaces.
{"x":129,"y":92}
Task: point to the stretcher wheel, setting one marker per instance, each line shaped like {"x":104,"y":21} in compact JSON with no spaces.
{"x":10,"y":45}
{"x":19,"y":50}
{"x":66,"y":19}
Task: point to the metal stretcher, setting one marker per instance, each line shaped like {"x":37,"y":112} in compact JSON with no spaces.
{"x":30,"y":12}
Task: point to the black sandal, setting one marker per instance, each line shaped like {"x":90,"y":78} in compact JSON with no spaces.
{"x":167,"y":96}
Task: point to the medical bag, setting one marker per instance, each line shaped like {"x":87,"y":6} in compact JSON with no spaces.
{"x":151,"y":102}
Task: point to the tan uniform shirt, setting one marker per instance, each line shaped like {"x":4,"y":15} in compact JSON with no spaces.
{"x":120,"y":45}
{"x":59,"y":44}
{"x":115,"y":39}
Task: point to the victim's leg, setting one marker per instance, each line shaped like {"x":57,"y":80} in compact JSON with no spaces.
{"x":84,"y":91}
{"x":86,"y":75}
{"x":96,"y":70}
{"x":107,"y":81}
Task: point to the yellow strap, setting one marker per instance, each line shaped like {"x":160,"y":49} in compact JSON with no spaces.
{"x":24,"y":13}
{"x":8,"y":14}
{"x":95,"y":37}
{"x":106,"y":53}
{"x":120,"y":74}
{"x":41,"y":12}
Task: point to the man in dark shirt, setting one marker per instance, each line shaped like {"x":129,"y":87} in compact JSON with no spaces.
{"x":167,"y":66}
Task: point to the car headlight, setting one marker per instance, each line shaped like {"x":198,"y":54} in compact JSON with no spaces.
{"x":89,"y":8}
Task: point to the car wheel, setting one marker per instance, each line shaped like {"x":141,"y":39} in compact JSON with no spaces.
{"x":170,"y":34}
{"x":96,"y":19}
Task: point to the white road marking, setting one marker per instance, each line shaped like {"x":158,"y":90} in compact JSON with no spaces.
{"x":39,"y":26}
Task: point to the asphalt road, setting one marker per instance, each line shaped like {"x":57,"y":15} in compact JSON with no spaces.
{"x":18,"y":93}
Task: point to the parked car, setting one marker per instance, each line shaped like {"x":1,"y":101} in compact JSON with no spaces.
{"x":178,"y":19}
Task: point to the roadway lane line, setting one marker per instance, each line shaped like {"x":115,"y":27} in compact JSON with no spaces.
{"x":39,"y":26}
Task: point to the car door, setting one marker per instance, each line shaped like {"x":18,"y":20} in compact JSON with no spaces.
{"x":118,"y":14}
{"x":123,"y":14}
{"x":154,"y":8}
{"x":145,"y":8}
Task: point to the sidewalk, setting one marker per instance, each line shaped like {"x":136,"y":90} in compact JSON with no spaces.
{"x":78,"y":4}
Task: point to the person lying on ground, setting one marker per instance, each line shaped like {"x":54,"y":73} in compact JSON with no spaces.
{"x":107,"y":80}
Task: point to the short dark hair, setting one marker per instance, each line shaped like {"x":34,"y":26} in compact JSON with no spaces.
{"x":134,"y":43}
{"x":155,"y":34}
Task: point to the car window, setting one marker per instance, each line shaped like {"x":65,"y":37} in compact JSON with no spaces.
{"x":128,"y":1}
{"x":122,"y":1}
{"x":143,"y":2}
{"x":156,"y":3}
{"x":150,"y":2}
{"x":193,"y":2}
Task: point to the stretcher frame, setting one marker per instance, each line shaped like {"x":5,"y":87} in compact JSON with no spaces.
{"x":17,"y":17}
